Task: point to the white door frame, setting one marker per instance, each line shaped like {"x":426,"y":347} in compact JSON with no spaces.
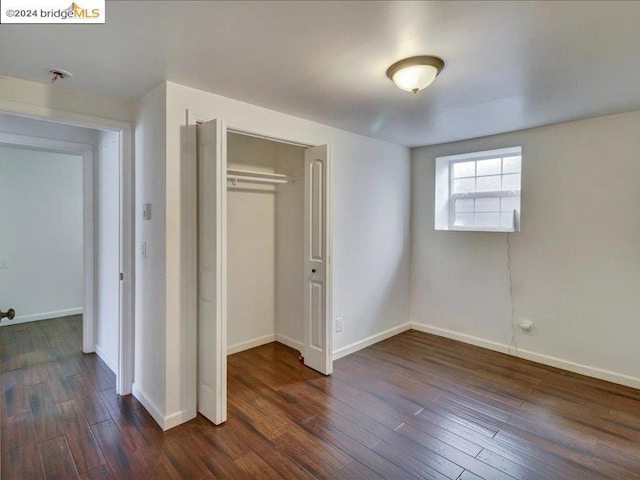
{"x":189,"y":302}
{"x":125,"y":370}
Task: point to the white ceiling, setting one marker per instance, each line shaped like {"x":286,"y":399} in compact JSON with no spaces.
{"x":509,"y":65}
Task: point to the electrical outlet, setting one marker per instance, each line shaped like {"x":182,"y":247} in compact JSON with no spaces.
{"x":339,"y":324}
{"x":4,"y":263}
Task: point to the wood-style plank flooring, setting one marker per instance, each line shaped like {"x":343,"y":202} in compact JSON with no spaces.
{"x":413,"y":406}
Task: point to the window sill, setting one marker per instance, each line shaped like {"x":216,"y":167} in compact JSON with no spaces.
{"x":479,"y":229}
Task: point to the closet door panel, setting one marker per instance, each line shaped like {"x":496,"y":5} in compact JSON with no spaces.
{"x":317,"y":197}
{"x":317,"y":344}
{"x":212,"y":358}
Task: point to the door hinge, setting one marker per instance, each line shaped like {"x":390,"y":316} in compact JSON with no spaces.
{"x":121,"y":276}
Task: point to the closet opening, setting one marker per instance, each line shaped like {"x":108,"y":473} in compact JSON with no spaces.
{"x":265,"y":243}
{"x":264,"y":248}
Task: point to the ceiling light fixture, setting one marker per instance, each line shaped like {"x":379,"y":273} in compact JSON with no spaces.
{"x":415,"y":73}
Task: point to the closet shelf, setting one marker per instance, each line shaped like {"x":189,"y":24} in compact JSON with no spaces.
{"x":235,"y":176}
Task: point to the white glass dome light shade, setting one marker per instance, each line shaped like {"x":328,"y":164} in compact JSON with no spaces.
{"x":415,"y":78}
{"x":415,"y":73}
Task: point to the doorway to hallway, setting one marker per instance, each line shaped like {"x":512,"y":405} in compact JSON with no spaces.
{"x":65,"y":248}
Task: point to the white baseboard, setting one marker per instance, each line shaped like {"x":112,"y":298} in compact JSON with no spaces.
{"x":462,"y":337}
{"x":143,"y":398}
{"x":177,"y":418}
{"x":103,"y":356}
{"x":588,"y":370}
{"x":42,"y":316}
{"x":254,"y":342}
{"x":364,"y":343}
{"x":290,"y":342}
{"x":165,"y":422}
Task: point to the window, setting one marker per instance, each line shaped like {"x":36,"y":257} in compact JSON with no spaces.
{"x":479,"y":191}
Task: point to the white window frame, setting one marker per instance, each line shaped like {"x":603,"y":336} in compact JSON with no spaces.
{"x":444,"y":211}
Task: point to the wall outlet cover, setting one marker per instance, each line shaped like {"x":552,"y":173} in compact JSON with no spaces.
{"x":526,"y":325}
{"x":339,"y":324}
{"x":146,"y":211}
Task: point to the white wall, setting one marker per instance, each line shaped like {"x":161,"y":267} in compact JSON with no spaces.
{"x":290,"y":278}
{"x":371,"y":225}
{"x":44,"y":99}
{"x":265,"y":246}
{"x":251,"y":266}
{"x":251,"y":238}
{"x":38,"y":128}
{"x":576,"y":262}
{"x":150,"y":326}
{"x":41,"y":218}
{"x":107,"y":253}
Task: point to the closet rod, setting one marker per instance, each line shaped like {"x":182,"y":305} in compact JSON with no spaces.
{"x":243,"y":178}
{"x":250,"y":173}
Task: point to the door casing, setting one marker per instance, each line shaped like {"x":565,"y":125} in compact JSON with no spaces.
{"x":125,"y":368}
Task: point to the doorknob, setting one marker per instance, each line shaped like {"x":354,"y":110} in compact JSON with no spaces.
{"x":10,"y":314}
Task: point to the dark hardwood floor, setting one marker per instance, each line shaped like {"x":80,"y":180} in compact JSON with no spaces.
{"x":413,"y":406}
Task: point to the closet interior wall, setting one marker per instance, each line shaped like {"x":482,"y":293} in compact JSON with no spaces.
{"x":265,"y":246}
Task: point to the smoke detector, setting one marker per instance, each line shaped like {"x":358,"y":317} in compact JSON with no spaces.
{"x":59,"y":74}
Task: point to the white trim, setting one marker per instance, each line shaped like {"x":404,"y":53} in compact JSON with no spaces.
{"x":444,"y":214}
{"x":126,"y":326}
{"x":366,"y":342}
{"x":329,"y":267}
{"x":290,"y":342}
{"x":165,"y":422}
{"x":575,"y":367}
{"x":36,"y":317}
{"x":462,"y":337}
{"x":143,"y":398}
{"x":499,"y":152}
{"x":254,"y":342}
{"x":189,"y":287}
{"x":63,"y":117}
{"x":175,"y":419}
{"x":253,"y":133}
{"x":124,"y":378}
{"x":263,"y":340}
{"x":105,"y":358}
{"x":483,"y":229}
{"x":493,"y":193}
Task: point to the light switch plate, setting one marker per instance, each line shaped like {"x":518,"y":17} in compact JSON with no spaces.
{"x":146,"y":211}
{"x":4,"y":263}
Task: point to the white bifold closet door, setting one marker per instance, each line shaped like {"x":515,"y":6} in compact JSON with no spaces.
{"x":212,"y":267}
{"x":212,"y":275}
{"x":317,"y":332}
